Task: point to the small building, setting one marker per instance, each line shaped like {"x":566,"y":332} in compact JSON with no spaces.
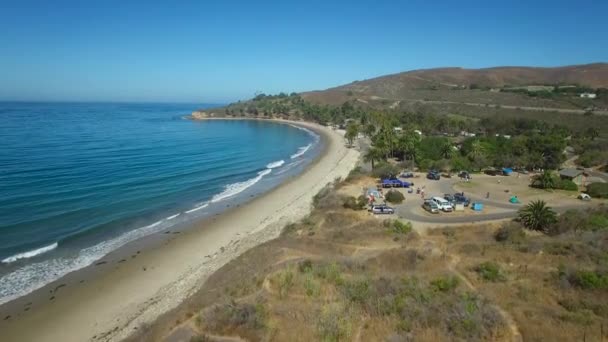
{"x":397,"y":129}
{"x":572,"y":174}
{"x":588,"y":95}
{"x":507,"y":171}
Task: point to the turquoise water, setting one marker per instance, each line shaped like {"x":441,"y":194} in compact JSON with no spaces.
{"x":79,"y":180}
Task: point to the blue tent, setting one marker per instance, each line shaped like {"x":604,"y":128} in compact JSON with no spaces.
{"x":507,"y":171}
{"x":477,"y":206}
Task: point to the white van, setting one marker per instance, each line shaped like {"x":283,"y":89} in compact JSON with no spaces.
{"x":442,"y":204}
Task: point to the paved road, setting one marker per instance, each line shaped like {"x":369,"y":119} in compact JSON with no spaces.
{"x":413,"y":213}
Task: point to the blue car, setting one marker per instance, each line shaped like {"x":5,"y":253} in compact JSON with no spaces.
{"x":395,"y":183}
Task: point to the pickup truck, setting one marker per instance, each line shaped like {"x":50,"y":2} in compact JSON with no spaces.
{"x":395,"y":183}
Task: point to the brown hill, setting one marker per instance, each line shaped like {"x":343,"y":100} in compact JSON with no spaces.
{"x":404,"y":85}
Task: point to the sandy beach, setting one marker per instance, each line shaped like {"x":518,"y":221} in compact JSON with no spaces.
{"x":134,"y":285}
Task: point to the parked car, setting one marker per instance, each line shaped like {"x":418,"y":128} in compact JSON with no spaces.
{"x":442,"y":204}
{"x":395,"y":183}
{"x":406,"y":174}
{"x":449,"y":198}
{"x":433,"y":175}
{"x":492,"y":172}
{"x":465,"y":175}
{"x":382,"y":209}
{"x":430,"y":206}
{"x":584,"y":197}
{"x":459,"y":198}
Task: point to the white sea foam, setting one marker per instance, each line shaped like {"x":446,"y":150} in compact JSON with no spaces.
{"x":290,"y":166}
{"x":236,"y":188}
{"x":172,"y":217}
{"x":197,"y":208}
{"x":315,"y":135}
{"x":275,"y":164}
{"x":301,"y":151}
{"x":29,"y":254}
{"x":34,"y":276}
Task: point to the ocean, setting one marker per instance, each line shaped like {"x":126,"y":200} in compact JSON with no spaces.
{"x":79,"y":180}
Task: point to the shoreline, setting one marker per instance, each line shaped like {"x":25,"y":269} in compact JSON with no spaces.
{"x":134,"y":285}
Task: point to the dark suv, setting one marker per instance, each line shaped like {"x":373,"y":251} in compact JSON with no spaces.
{"x":457,"y":198}
{"x":433,"y":175}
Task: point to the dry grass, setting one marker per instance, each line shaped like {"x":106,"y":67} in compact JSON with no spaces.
{"x":341,"y":275}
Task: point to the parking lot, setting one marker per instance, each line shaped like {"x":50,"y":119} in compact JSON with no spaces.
{"x":495,"y":207}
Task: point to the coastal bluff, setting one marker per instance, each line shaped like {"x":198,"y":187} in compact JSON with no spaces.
{"x":202,"y":115}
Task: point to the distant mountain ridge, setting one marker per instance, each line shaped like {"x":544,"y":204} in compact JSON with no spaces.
{"x":395,"y":85}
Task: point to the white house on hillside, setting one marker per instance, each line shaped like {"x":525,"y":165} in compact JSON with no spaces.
{"x":588,"y":95}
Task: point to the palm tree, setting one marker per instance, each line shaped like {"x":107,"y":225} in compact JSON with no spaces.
{"x":447,"y":150}
{"x":352,"y":131}
{"x":545,"y":180}
{"x":373,"y":154}
{"x":537,"y":216}
{"x":408,"y":144}
{"x":477,"y":154}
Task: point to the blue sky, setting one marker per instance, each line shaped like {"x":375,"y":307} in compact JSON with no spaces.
{"x":198,"y":51}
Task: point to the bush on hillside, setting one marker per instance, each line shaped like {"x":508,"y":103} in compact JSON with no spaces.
{"x":353,"y":203}
{"x":385,"y":170}
{"x":598,"y":190}
{"x":590,"y":158}
{"x":490,"y":271}
{"x":510,"y":232}
{"x":589,"y":280}
{"x":394,"y":196}
{"x":566,"y":184}
{"x":580,"y":221}
{"x":402,"y":228}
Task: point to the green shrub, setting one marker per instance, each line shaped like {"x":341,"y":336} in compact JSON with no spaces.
{"x":385,"y":170}
{"x":566,"y":184}
{"x":598,"y":190}
{"x":591,"y":157}
{"x":589,"y":280}
{"x":597,"y":221}
{"x":357,"y":290}
{"x":334,"y":324}
{"x":490,"y":271}
{"x":285,"y":282}
{"x":402,"y":228}
{"x":445,"y":284}
{"x":394,"y":196}
{"x":353,"y":203}
{"x":330,"y":272}
{"x":312,"y":286}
